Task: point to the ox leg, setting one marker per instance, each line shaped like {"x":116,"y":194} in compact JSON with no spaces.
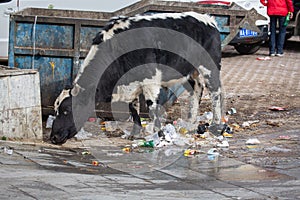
{"x":137,"y":125}
{"x":195,"y":99}
{"x":213,"y":83}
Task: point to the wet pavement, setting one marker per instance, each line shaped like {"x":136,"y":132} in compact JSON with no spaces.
{"x":98,"y":168}
{"x":44,"y":171}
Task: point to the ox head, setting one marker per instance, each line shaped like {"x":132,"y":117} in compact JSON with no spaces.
{"x":63,"y":127}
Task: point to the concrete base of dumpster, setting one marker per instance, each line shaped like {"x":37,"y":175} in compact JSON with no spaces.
{"x":20,"y":104}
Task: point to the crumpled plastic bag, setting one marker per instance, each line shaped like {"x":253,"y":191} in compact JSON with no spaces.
{"x":50,"y":120}
{"x":83,"y":135}
{"x":169,"y":132}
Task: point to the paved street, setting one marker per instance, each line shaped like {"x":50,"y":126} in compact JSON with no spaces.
{"x":97,"y":168}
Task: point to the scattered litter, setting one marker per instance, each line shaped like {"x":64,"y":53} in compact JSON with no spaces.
{"x":144,"y":122}
{"x":213,"y":154}
{"x":206,"y":117}
{"x":189,"y":152}
{"x":83,"y":135}
{"x":213,"y":151}
{"x":247,"y":124}
{"x":92,"y":119}
{"x":95,"y":163}
{"x":225,"y":119}
{"x":231,"y":111}
{"x":114,"y":154}
{"x":126,"y":134}
{"x":277,"y":108}
{"x":147,"y":144}
{"x":127,"y":149}
{"x":274,"y":123}
{"x":235,"y":127}
{"x":253,"y":141}
{"x":169,"y":132}
{"x":85,"y":153}
{"x":252,"y":146}
{"x":102,"y":124}
{"x":227,"y":135}
{"x":277,"y":149}
{"x":142,"y":143}
{"x":50,"y":120}
{"x":220,"y":138}
{"x":8,"y":151}
{"x":202,"y":128}
{"x":111,"y":125}
{"x":284,"y":137}
{"x":227,"y":129}
{"x":3,"y":138}
{"x":263,"y":58}
{"x":223,"y":144}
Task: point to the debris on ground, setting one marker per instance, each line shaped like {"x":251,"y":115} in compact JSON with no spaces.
{"x":252,"y":141}
{"x":190,"y":138}
{"x":274,"y":123}
{"x":213,"y":154}
{"x":263,"y":58}
{"x":231,"y":111}
{"x":49,"y":121}
{"x":276,"y":149}
{"x":284,"y":137}
{"x":8,"y":150}
{"x":83,"y":135}
{"x":250,"y":123}
{"x":277,"y":108}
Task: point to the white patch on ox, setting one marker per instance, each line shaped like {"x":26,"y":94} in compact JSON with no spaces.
{"x":89,"y":57}
{"x":149,"y":87}
{"x":117,"y":25}
{"x":156,"y":16}
{"x":206,"y":19}
{"x":173,"y":82}
{"x":63,"y":95}
{"x":204,"y":71}
{"x":127,"y":93}
{"x":217,"y":105}
{"x":194,"y":100}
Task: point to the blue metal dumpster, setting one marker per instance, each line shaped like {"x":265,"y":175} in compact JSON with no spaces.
{"x":55,"y":42}
{"x":54,"y":45}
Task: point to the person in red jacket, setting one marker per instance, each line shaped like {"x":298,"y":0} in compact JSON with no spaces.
{"x":277,"y":11}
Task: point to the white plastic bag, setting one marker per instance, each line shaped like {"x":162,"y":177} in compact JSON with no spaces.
{"x":50,"y":120}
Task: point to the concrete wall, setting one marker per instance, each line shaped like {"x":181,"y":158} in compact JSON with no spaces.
{"x":20,"y":104}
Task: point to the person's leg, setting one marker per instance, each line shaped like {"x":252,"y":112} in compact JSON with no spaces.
{"x":272,"y":39}
{"x":281,"y":36}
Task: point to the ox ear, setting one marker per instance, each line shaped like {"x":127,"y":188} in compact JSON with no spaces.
{"x":75,"y":90}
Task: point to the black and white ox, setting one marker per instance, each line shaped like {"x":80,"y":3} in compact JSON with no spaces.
{"x":144,"y":54}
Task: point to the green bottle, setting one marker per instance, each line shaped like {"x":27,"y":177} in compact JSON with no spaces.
{"x":287,"y":19}
{"x":148,"y":143}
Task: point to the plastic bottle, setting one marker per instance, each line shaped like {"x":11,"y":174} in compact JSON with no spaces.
{"x":148,"y":144}
{"x":287,"y":19}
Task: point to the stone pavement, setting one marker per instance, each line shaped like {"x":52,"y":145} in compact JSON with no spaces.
{"x":39,"y":170}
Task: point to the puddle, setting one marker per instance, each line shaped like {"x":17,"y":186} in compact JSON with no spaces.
{"x":248,"y":173}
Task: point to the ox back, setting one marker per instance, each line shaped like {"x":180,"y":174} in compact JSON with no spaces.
{"x":204,"y":32}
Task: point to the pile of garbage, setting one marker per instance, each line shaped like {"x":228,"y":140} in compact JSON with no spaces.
{"x":192,"y":137}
